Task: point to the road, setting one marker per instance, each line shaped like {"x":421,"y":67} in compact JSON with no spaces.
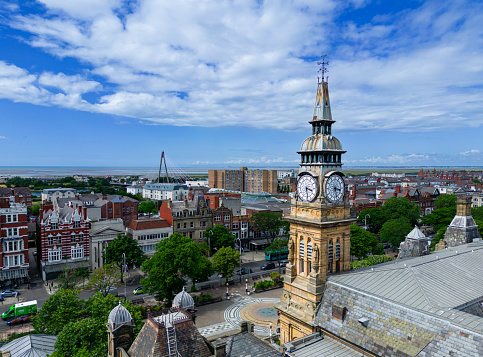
{"x":39,"y":292}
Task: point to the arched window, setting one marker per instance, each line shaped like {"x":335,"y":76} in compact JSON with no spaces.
{"x":72,"y":237}
{"x":309,"y":250}
{"x":301,"y":248}
{"x":337,"y":250}
{"x":331,"y":251}
{"x":81,"y":237}
{"x":50,"y":238}
{"x":59,"y":238}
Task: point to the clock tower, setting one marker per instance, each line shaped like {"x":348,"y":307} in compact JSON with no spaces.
{"x":320,"y":220}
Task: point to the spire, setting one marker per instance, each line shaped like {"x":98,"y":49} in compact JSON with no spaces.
{"x":322,"y":103}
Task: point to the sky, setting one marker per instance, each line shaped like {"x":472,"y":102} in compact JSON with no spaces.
{"x":231,"y":83}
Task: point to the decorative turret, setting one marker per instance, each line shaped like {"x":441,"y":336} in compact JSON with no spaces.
{"x":184,"y":300}
{"x":120,"y":328}
{"x":463,"y":228}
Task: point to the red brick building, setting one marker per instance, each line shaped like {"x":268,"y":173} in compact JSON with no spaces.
{"x":114,"y":206}
{"x":62,"y":240}
{"x":24,"y":194}
{"x":14,"y":262}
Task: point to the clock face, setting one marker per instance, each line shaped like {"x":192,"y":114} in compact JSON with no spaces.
{"x":334,"y":188}
{"x":307,"y":188}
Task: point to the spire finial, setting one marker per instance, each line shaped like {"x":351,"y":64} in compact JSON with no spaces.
{"x":323,"y":69}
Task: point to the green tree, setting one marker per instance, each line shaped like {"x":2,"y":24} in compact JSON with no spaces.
{"x":218,"y":237}
{"x":395,"y":231}
{"x":104,"y":277}
{"x":277,"y":246}
{"x":445,"y":201}
{"x":59,"y":310}
{"x":87,"y":332}
{"x":82,"y":273}
{"x":439,"y":218}
{"x":176,"y":258}
{"x":374,"y":219}
{"x":34,"y":210}
{"x":225,"y":260}
{"x":147,"y":207}
{"x":363,"y":243}
{"x":401,"y":207}
{"x":372,"y":260}
{"x":127,"y":245}
{"x":270,"y":224}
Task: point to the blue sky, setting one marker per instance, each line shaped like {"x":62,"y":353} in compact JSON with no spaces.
{"x":229,"y":83}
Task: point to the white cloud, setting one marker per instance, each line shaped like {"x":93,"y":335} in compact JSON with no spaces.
{"x":2,"y":137}
{"x":404,"y":159}
{"x":473,"y":152}
{"x":239,"y":63}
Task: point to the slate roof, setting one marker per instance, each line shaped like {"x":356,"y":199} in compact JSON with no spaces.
{"x":245,"y":344}
{"x":31,"y":346}
{"x":416,"y":234}
{"x":436,"y":283}
{"x":319,"y":346}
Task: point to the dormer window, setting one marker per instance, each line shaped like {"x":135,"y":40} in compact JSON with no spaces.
{"x":54,"y":225}
{"x":76,"y":224}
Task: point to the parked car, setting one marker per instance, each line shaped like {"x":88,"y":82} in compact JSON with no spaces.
{"x":19,"y":320}
{"x":283,"y":263}
{"x":268,"y":266}
{"x":109,"y":290}
{"x":138,"y":290}
{"x":8,"y":293}
{"x":243,"y":271}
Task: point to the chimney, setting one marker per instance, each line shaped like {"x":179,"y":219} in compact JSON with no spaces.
{"x":186,"y":202}
{"x":84,"y":212}
{"x":398,"y":189}
{"x":220,"y":348}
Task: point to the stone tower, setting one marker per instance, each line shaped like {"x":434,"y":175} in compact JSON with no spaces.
{"x":463,"y":228}
{"x":320,"y":222}
{"x":120,"y":328}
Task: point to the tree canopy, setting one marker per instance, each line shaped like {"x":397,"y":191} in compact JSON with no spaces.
{"x":175,"y":259}
{"x":395,"y":231}
{"x":147,"y":207}
{"x":127,"y":245}
{"x":104,"y":277}
{"x":225,"y":260}
{"x":218,"y":237}
{"x":83,"y":327}
{"x":270,"y":224}
{"x":363,"y":243}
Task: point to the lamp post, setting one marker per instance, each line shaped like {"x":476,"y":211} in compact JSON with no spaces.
{"x":227,"y":293}
{"x":240,"y":250}
{"x":209,"y":242}
{"x":365,"y":220}
{"x":124,"y":268}
{"x":246,"y":286}
{"x":271,"y":332}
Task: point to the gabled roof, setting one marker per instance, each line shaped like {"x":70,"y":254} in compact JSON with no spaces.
{"x":31,"y":346}
{"x":142,"y":224}
{"x":444,"y":279}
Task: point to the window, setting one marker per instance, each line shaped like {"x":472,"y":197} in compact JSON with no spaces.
{"x":184,"y":214}
{"x":302,"y":248}
{"x":12,"y":218}
{"x":76,"y":224}
{"x":13,"y":246}
{"x":77,"y":252}
{"x":244,"y":225}
{"x":12,"y":232}
{"x":227,"y":217}
{"x":110,"y":210}
{"x":309,"y":250}
{"x":50,"y":239}
{"x":191,"y":235}
{"x":54,"y":225}
{"x":184,"y":225}
{"x":331,"y":252}
{"x":13,"y":260}
{"x":192,"y":224}
{"x":72,"y":237}
{"x":54,"y":255}
{"x":148,"y":247}
{"x":235,"y":225}
{"x":337,"y":250}
{"x":132,"y":209}
{"x":227,"y":225}
{"x":59,"y":238}
{"x":301,"y":265}
{"x":81,"y":237}
{"x":217,"y":218}
{"x":178,"y":226}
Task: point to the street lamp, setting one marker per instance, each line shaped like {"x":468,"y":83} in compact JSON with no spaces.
{"x":271,"y":332}
{"x":227,"y":293}
{"x":124,"y":268}
{"x":246,"y":286}
{"x":365,"y":220}
{"x":240,"y":249}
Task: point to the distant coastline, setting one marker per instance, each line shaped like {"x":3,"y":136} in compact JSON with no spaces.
{"x":63,"y":171}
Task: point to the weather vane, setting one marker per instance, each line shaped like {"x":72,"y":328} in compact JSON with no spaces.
{"x":322,"y":68}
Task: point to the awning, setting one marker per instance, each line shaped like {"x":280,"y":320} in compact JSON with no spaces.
{"x":66,"y":266}
{"x":13,"y":273}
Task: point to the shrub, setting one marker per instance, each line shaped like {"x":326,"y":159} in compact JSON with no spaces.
{"x":263,"y":284}
{"x":276,"y":277}
{"x":204,"y":297}
{"x":371,"y":260}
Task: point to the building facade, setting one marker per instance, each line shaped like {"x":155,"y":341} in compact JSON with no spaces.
{"x":149,"y":232}
{"x":165,"y":191}
{"x":320,"y":222}
{"x":50,"y":194}
{"x":24,"y":194}
{"x":114,"y":206}
{"x":14,"y":262}
{"x":244,"y":180}
{"x":257,"y":181}
{"x":62,"y":240}
{"x":102,"y":233}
